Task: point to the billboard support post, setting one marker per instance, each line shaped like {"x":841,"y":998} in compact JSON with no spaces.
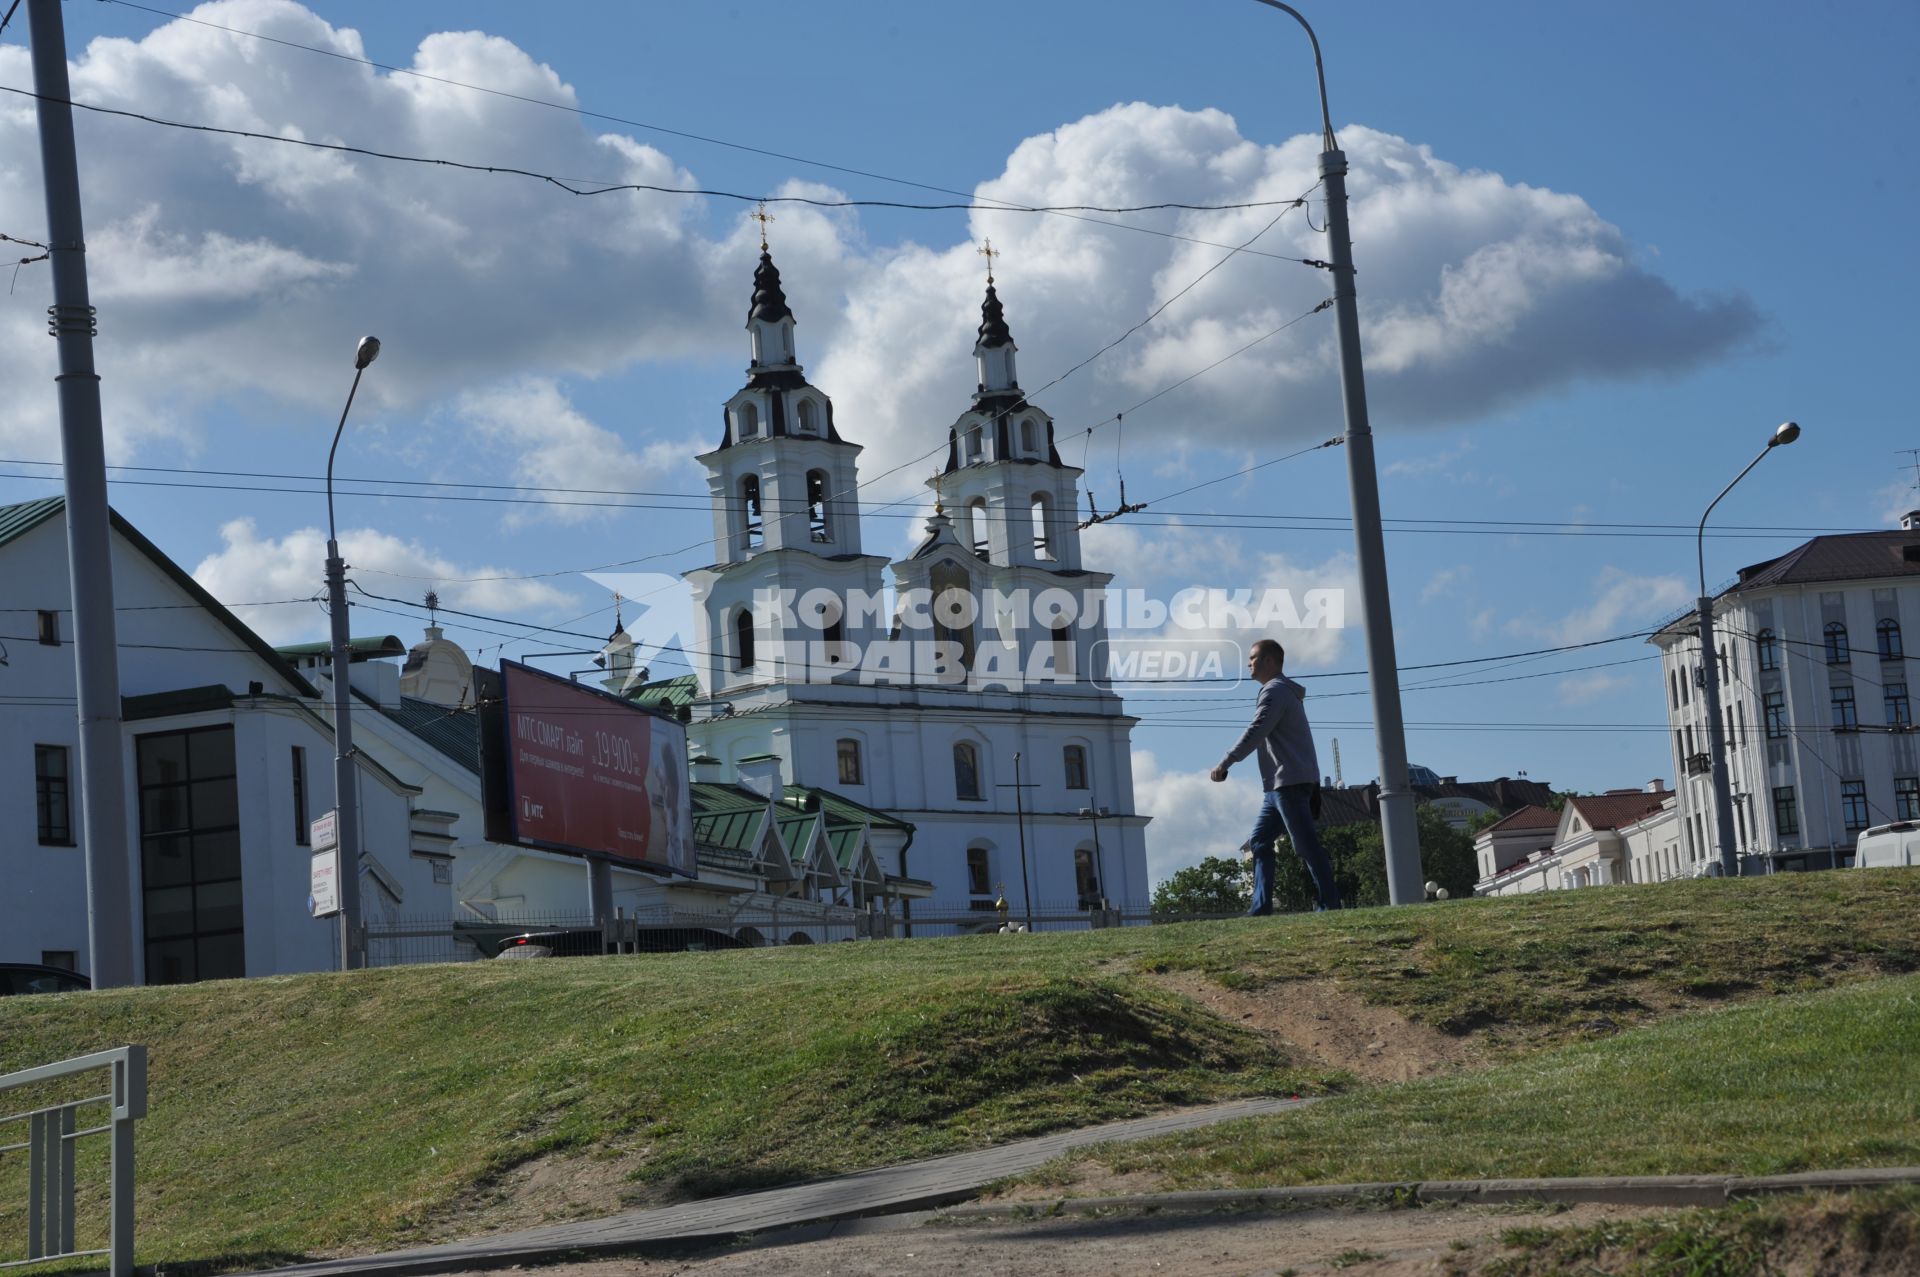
{"x":600,"y":891}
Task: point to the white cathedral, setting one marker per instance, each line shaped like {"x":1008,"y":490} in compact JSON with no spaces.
{"x":960,"y":700}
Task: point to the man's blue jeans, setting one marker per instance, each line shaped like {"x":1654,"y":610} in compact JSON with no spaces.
{"x":1290,"y":806}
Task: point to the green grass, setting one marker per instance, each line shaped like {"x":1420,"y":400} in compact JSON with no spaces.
{"x":315,"y":1114}
{"x":1829,"y":1079}
{"x":1860,"y":1232}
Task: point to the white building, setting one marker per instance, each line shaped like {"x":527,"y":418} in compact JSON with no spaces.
{"x":228,"y":756}
{"x":795,"y":685}
{"x":1620,"y":836}
{"x":1813,"y":677}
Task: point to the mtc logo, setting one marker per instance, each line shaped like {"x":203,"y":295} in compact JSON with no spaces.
{"x":530,"y":810}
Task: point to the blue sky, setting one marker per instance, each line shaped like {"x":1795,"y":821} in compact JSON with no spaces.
{"x":1602,"y":252}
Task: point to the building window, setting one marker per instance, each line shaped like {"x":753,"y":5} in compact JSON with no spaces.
{"x":1838,"y":653}
{"x":50,"y":629}
{"x":980,"y":872}
{"x":1076,"y":760}
{"x":1042,"y":526}
{"x":1086,"y":878}
{"x":1786,"y":811}
{"x":1853,"y":805}
{"x":966,"y":771}
{"x":1027,"y":445}
{"x":1767,"y":650}
{"x":1726,"y":673}
{"x":299,"y":797}
{"x":1673,"y":689}
{"x":1906,"y":797}
{"x":977,"y":527}
{"x":1899,"y":709}
{"x":190,"y":855}
{"x":848,"y":750}
{"x":753,"y":532}
{"x":53,"y":794}
{"x":973,"y":444}
{"x":808,"y":418}
{"x":953,"y":608}
{"x":743,"y":639}
{"x":749,"y":418}
{"x":1843,"y":715}
{"x":817,"y":506}
{"x":1888,"y":633}
{"x":1774,"y":705}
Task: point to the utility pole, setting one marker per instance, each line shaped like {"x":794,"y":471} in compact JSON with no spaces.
{"x":96,"y":645}
{"x":1020,"y":818}
{"x":1397,"y":823}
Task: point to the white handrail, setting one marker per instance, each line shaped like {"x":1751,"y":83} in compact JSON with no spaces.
{"x":50,"y":1155}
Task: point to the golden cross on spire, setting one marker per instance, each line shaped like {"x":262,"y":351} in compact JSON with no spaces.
{"x":761,"y":216}
{"x":939,"y":506}
{"x":618,"y":624}
{"x":989,"y":252}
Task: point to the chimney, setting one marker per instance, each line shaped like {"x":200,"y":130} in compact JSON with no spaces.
{"x":1656,"y":786}
{"x":708,"y":768}
{"x":760,"y":773}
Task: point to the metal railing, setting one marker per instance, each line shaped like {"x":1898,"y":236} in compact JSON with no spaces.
{"x":53,"y":1130}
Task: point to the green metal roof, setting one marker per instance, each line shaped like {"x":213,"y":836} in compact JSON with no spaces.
{"x":797,"y":829}
{"x":17,"y":520}
{"x":711,"y":795}
{"x":846,"y":842}
{"x":840,"y":808}
{"x":454,"y":732}
{"x":729,"y":830}
{"x":358,"y":649}
{"x":667,"y":693}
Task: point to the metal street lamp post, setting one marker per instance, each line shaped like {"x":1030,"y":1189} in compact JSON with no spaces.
{"x":346,"y":801}
{"x":1710,"y":671}
{"x":1397,"y":824}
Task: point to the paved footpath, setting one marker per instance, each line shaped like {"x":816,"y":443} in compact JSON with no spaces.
{"x":939,"y":1181}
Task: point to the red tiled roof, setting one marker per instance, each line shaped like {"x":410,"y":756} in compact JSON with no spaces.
{"x":1528,"y":817}
{"x":1610,"y":811}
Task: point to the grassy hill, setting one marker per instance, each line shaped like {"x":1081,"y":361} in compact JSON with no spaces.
{"x":321,"y":1114}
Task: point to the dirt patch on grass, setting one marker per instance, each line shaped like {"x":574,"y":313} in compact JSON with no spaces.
{"x":1325,"y":1022}
{"x":547,"y":1190}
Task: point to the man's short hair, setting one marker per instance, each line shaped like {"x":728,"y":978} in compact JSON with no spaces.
{"x":1264,"y":647}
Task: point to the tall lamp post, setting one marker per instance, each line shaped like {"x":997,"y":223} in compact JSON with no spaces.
{"x":1710,"y":667}
{"x":346,"y":800}
{"x":1404,"y":886}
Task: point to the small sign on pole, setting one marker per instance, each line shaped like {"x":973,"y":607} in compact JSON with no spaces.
{"x":323,"y":898}
{"x":324,"y":833}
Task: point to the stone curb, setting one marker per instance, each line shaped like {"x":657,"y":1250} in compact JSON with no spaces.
{"x":1620,"y":1190}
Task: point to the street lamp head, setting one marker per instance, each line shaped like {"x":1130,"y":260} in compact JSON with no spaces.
{"x":1786,"y":433}
{"x":368,"y":352}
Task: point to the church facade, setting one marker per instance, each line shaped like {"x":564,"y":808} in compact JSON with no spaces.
{"x":952,"y":688}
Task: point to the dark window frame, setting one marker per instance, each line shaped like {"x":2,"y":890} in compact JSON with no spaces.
{"x":1766,"y":651}
{"x":1854,"y":815}
{"x":1839,"y":651}
{"x":969,"y":778}
{"x":1786,"y":811}
{"x":1887,"y":638}
{"x":1073,"y":758}
{"x":1774,"y":706}
{"x":301,"y":825}
{"x":846,"y":749}
{"x":1906,"y":797}
{"x":53,"y":796}
{"x":1846,"y":712}
{"x":189,"y":784}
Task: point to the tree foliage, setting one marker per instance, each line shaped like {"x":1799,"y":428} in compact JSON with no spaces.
{"x":1359,"y":855}
{"x":1215,"y":885}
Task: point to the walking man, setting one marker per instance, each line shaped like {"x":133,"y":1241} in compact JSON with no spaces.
{"x":1289,"y":774}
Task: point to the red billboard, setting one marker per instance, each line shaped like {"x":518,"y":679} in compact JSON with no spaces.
{"x":573,"y":769}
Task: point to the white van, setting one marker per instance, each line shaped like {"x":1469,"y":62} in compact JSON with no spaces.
{"x":1888,"y":846}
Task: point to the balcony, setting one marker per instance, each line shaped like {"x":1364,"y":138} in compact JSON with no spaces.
{"x":1699,"y":764}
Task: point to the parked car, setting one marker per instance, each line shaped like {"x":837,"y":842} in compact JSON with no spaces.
{"x":587,"y":942}
{"x":32,"y":977}
{"x":1888,"y":846}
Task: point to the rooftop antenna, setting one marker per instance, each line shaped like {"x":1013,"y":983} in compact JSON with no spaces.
{"x":1339,"y":781}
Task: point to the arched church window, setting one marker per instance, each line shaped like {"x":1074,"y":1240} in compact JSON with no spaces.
{"x":1075,"y":758}
{"x":749,"y":418}
{"x":1027,"y":445}
{"x":966,"y":771}
{"x":743,"y":639}
{"x":753,"y":530}
{"x":977,"y":527}
{"x":1042,"y":526}
{"x":817,"y":506}
{"x":808,"y":417}
{"x":1060,"y":638}
{"x":1086,"y":877}
{"x":847,"y":749}
{"x":953,"y":607}
{"x":973,"y":444}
